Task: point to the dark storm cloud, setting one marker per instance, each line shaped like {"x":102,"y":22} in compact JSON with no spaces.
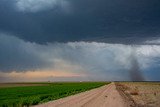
{"x":99,"y":61}
{"x":17,"y":55}
{"x":114,"y":21}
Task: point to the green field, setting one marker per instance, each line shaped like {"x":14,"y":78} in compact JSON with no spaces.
{"x":22,"y":94}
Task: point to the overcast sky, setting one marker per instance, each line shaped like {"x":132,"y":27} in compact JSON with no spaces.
{"x":79,"y":40}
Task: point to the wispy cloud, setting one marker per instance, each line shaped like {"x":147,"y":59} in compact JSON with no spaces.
{"x":153,"y":41}
{"x":40,"y":5}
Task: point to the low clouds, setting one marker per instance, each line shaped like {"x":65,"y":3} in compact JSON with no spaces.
{"x":99,"y":61}
{"x":40,"y":5}
{"x":18,"y":55}
{"x":153,"y":41}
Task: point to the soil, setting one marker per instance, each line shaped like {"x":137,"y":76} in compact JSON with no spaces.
{"x":141,"y":94}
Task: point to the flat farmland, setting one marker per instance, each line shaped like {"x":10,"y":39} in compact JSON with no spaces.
{"x":115,"y":94}
{"x":26,"y":94}
{"x":140,"y":94}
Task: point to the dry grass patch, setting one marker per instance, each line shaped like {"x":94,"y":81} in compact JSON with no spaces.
{"x":134,"y":92}
{"x":144,"y":94}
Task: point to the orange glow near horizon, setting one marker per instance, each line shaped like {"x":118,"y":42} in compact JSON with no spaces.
{"x":41,"y":74}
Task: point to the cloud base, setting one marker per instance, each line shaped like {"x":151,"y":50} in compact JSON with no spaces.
{"x":99,"y":61}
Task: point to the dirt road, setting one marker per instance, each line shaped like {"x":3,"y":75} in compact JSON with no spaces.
{"x":105,"y":96}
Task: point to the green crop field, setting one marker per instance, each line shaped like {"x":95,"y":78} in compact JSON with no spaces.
{"x":26,"y":94}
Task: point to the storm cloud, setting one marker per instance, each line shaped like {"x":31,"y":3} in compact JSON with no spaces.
{"x":110,"y":21}
{"x":100,"y":39}
{"x":100,"y":61}
{"x":18,"y":55}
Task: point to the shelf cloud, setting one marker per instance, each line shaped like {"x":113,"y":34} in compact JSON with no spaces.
{"x":96,"y":60}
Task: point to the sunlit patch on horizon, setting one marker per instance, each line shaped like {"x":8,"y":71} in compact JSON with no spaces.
{"x":40,"y":75}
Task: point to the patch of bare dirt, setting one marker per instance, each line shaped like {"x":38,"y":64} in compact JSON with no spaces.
{"x":141,"y":94}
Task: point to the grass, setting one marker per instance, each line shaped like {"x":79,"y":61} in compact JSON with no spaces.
{"x":19,"y":96}
{"x":134,"y":92}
